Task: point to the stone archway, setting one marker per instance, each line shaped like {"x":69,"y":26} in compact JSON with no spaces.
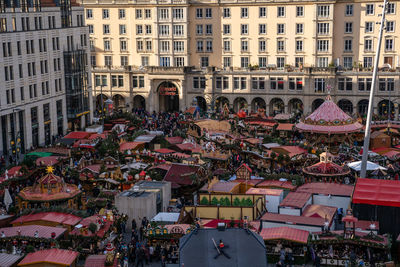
{"x":100,"y":99}
{"x":118,"y":102}
{"x":316,"y":103}
{"x":362,"y":107}
{"x":201,"y":103}
{"x":346,"y":106}
{"x":276,"y":106}
{"x":139,"y":102}
{"x":258,"y":103}
{"x":295,"y":106}
{"x":239,"y":103}
{"x":386,"y":107}
{"x":220,"y":103}
{"x":168,"y":97}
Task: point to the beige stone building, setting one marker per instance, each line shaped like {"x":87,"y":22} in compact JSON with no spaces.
{"x":283,"y":56}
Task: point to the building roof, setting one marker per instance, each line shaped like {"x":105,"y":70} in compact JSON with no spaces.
{"x":293,"y":219}
{"x":286,"y":233}
{"x":189,"y":147}
{"x":295,"y":200}
{"x":264,"y":191}
{"x":285,"y":127}
{"x":198,"y":248}
{"x":329,"y":118}
{"x":87,"y":221}
{"x":326,"y":169}
{"x":130,"y":146}
{"x":174,"y":140}
{"x":77,"y":135}
{"x":379,"y":134}
{"x":57,"y":217}
{"x":147,"y":138}
{"x":47,"y":161}
{"x":29,"y":230}
{"x":377,"y":192}
{"x":8,"y":260}
{"x":276,"y":184}
{"x":54,"y":256}
{"x":289,"y":150}
{"x":221,"y":187}
{"x":320,"y":211}
{"x":327,"y":189}
{"x":181,"y":174}
{"x":164,"y":151}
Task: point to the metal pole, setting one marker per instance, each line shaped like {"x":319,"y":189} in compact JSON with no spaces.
{"x":102,"y":104}
{"x":371,"y":96}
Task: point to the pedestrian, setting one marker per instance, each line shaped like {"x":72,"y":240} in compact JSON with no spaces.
{"x":140,"y":257}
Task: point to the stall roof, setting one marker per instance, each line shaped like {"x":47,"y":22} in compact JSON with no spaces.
{"x":52,"y":256}
{"x":320,"y":211}
{"x":77,"y":135}
{"x":29,"y":231}
{"x":295,"y":200}
{"x":264,"y":191}
{"x":293,"y":219}
{"x":327,"y":189}
{"x":286,"y":233}
{"x":145,"y":138}
{"x":377,"y":192}
{"x":166,"y":217}
{"x":285,"y":127}
{"x":129,"y":146}
{"x":57,"y":217}
{"x":275,"y":183}
{"x":8,"y":260}
{"x":95,"y":261}
{"x":175,"y":140}
{"x":164,"y":151}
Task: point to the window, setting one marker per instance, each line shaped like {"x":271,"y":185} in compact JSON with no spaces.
{"x":345,"y":84}
{"x":148,"y":29}
{"x":199,"y":29}
{"x":389,"y":26}
{"x":114,"y":81}
{"x":123,"y":45}
{"x":280,"y":11}
{"x":208,"y":13}
{"x":262,"y":12}
{"x":299,"y":28}
{"x":348,"y":45}
{"x":390,"y":84}
{"x":209,"y":46}
{"x":107,"y":60}
{"x":244,"y":12}
{"x":218,"y":82}
{"x":262,"y":28}
{"x":164,"y":30}
{"x":281,"y":83}
{"x":369,"y":26}
{"x":199,"y":13}
{"x":164,"y":13}
{"x":107,"y":46}
{"x":299,"y":45}
{"x":361,"y":84}
{"x":199,"y":82}
{"x":322,"y":62}
{"x":367,"y":62}
{"x":178,"y":30}
{"x":227,"y":45}
{"x":323,"y":28}
{"x":299,"y":11}
{"x":368,"y":45}
{"x":227,"y":29}
{"x":244,"y":62}
{"x":121,"y":13}
{"x":349,"y":10}
{"x":323,"y":45}
{"x":209,"y":29}
{"x":148,"y":46}
{"x":236,"y":83}
{"x":120,"y":81}
{"x":244,"y":29}
{"x":323,"y":11}
{"x":179,"y":46}
{"x":227,"y":62}
{"x":199,"y":46}
{"x":262,"y":47}
{"x":139,"y":14}
{"x":89,"y":13}
{"x":147,"y":13}
{"x":272,"y":83}
{"x":122,"y":29}
{"x":369,"y":9}
{"x":319,"y":85}
{"x":165,"y":61}
{"x":124,"y":61}
{"x":280,"y":45}
{"x":164,"y":46}
{"x":280,"y":62}
{"x":262,"y":62}
{"x":179,"y":61}
{"x":145,"y":60}
{"x":106,"y":29}
{"x":106,"y":14}
{"x":177,"y":13}
{"x":139,"y":29}
{"x":226,"y":12}
{"x":388,"y":44}
{"x":90,"y":26}
{"x":243,"y":83}
{"x":281,"y":28}
{"x":347,"y":62}
{"x":204,"y":62}
{"x":244,"y":45}
{"x":391,"y":8}
{"x":348,"y":27}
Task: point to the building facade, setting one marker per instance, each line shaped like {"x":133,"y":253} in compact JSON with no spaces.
{"x":281,"y":56}
{"x":45,"y":70}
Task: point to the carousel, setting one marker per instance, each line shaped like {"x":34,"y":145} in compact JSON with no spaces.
{"x":329,"y":125}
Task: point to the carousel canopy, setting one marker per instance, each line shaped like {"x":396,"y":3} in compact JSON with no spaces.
{"x":329,"y":119}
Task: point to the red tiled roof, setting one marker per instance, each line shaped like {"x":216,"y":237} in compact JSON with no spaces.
{"x":92,"y":219}
{"x":174,"y":140}
{"x":377,"y":192}
{"x":225,"y":187}
{"x":95,"y":261}
{"x":129,"y":146}
{"x":94,"y":136}
{"x":77,"y":135}
{"x":276,"y":184}
{"x":290,"y":150}
{"x":320,"y":211}
{"x":29,"y":230}
{"x":246,"y":166}
{"x":293,"y":219}
{"x":164,"y":167}
{"x":47,"y":161}
{"x":54,"y":255}
{"x":180,"y":155}
{"x":252,"y":182}
{"x":57,"y":217}
{"x":8,"y":260}
{"x":264,"y":191}
{"x":365,"y":225}
{"x":189,"y":147}
{"x":164,"y":151}
{"x":327,"y":189}
{"x":295,"y":200}
{"x":285,"y":127}
{"x":181,"y":174}
{"x":286,"y":233}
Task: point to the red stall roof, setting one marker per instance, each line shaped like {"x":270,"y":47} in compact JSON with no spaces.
{"x":54,"y":256}
{"x":77,"y":135}
{"x":377,"y":192}
{"x":327,"y":189}
{"x":29,"y":230}
{"x":57,"y":217}
{"x":286,"y":233}
{"x":295,"y":200}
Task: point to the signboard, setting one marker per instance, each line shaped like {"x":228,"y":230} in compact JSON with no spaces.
{"x":167,"y":91}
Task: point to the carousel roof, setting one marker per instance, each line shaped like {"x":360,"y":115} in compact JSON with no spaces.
{"x":326,"y":169}
{"x":329,"y":118}
{"x":50,"y":179}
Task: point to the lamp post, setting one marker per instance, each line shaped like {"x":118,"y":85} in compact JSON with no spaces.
{"x":371,"y":96}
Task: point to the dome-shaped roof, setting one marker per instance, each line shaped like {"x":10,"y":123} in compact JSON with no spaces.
{"x":50,"y":179}
{"x":329,"y":118}
{"x":326,"y":169}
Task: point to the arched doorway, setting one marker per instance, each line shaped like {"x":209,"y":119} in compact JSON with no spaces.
{"x":201,"y":103}
{"x":276,"y":106}
{"x":316,"y":103}
{"x":257,"y":103}
{"x":239,"y":103}
{"x":168,"y":97}
{"x":295,"y":106}
{"x":362,"y":107}
{"x":139,"y":102}
{"x":220,"y":103}
{"x":101,"y":98}
{"x":119,"y":102}
{"x":346,"y":106}
{"x":386,"y":107}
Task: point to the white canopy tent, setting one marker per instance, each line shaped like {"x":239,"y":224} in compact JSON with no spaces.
{"x":370,"y":166}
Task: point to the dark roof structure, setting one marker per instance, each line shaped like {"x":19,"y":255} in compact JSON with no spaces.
{"x":198,"y":248}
